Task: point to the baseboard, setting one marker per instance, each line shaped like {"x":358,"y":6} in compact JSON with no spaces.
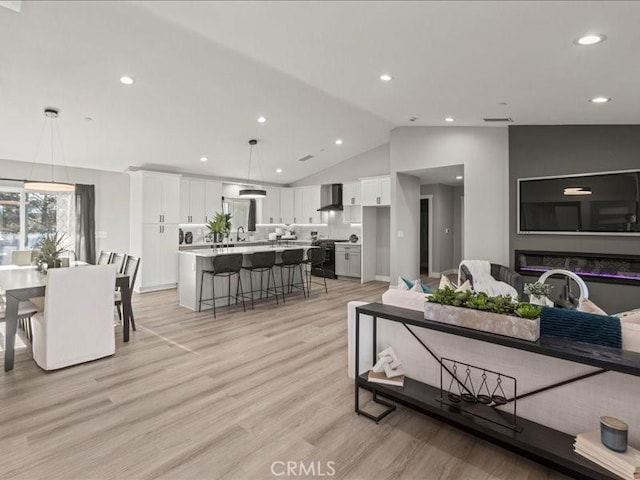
{"x":382,"y":278}
{"x":155,"y":288}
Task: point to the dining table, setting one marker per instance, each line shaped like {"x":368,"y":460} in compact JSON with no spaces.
{"x":20,"y":283}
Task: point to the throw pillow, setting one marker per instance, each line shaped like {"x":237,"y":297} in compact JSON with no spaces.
{"x":404,"y":284}
{"x":587,"y":306}
{"x":418,"y":286}
{"x":445,"y":282}
{"x":465,"y":287}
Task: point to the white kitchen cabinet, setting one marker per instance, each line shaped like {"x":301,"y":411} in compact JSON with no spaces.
{"x":352,"y":214}
{"x":287,"y":212}
{"x":298,"y":205}
{"x":160,"y":197}
{"x":347,"y":260}
{"x":192,"y":201}
{"x":155,"y":206}
{"x":351,"y":193}
{"x":271,"y":207}
{"x":159,"y":257}
{"x":376,"y":191}
{"x":212,"y":200}
{"x":311,"y":199}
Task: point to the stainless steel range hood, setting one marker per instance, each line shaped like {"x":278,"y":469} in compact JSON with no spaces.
{"x":331,"y":198}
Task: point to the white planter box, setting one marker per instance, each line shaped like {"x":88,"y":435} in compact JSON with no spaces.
{"x":506,"y":325}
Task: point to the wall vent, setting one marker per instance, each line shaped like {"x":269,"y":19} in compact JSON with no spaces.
{"x":498,"y":119}
{"x":305,"y":158}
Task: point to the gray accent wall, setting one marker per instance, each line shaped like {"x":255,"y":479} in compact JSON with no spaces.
{"x":536,"y":151}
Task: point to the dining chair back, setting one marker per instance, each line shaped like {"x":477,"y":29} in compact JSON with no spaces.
{"x":21,"y":258}
{"x":77,"y":323}
{"x":118,"y":259}
{"x":104,"y":258}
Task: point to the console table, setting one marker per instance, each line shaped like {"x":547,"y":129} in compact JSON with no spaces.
{"x":538,"y":442}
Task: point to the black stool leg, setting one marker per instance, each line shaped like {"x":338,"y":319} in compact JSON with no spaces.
{"x":262,"y":283}
{"x":239,"y":289}
{"x":282,"y":284}
{"x":324,"y":277}
{"x":199,"y":298}
{"x":251,"y":284}
{"x":133,"y":322}
{"x":304,"y":293}
{"x":213,"y":286}
{"x":275,"y":285}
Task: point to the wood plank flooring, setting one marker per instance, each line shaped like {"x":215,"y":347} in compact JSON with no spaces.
{"x":193,"y":397}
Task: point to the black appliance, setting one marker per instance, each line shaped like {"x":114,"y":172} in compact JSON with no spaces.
{"x":335,"y":202}
{"x":329,"y":259}
{"x":188,"y":238}
{"x":180,"y":236}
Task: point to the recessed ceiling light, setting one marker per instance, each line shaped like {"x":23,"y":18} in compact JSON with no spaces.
{"x":126,"y":80}
{"x":450,"y":119}
{"x":385,"y":77}
{"x":262,"y":119}
{"x":459,"y":177}
{"x":600,"y":100}
{"x":88,"y":119}
{"x":339,"y":141}
{"x":203,"y":159}
{"x":278,"y":170}
{"x":591,"y":39}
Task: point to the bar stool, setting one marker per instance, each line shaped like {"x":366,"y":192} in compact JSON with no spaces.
{"x":316,"y":257}
{"x":262,"y":262}
{"x":292,"y":259}
{"x":226,"y":265}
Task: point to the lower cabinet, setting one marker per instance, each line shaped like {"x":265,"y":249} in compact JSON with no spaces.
{"x":347,"y":260}
{"x":159,"y":257}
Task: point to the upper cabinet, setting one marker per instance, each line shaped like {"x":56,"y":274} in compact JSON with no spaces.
{"x":376,"y":191}
{"x":271,"y":206}
{"x":286,"y":206}
{"x":199,"y":200}
{"x":351,"y":193}
{"x":306,"y":202}
{"x":160,"y":196}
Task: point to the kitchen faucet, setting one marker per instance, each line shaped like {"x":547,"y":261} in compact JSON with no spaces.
{"x":238,"y":233}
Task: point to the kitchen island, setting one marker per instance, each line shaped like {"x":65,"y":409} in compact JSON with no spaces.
{"x":192,"y":262}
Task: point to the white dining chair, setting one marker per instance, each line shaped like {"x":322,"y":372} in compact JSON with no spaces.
{"x":21,"y":258}
{"x":77,"y":323}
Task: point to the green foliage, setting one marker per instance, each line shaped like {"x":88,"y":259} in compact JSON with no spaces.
{"x":502,"y":304}
{"x":50,"y":249}
{"x":221,"y":224}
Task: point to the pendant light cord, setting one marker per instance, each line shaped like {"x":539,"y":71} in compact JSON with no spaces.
{"x":64,"y":160}
{"x":35,"y":159}
{"x":249,"y":172}
{"x":53,"y":175}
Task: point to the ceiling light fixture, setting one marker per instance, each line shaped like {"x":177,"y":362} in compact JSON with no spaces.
{"x":262,"y":119}
{"x":450,"y":119}
{"x":459,"y":177}
{"x":278,"y":170}
{"x":591,"y":39}
{"x":600,"y":100}
{"x":203,"y":159}
{"x":252,"y":192}
{"x":126,"y":80}
{"x":338,"y":141}
{"x":51,"y":114}
{"x":385,"y":77}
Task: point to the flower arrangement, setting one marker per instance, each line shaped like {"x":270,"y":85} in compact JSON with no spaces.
{"x":50,"y":250}
{"x":538,"y":289}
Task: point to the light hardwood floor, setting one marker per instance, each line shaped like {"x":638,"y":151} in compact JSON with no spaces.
{"x":202,"y":398}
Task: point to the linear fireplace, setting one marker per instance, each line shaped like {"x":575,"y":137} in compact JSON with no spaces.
{"x":595,"y":267}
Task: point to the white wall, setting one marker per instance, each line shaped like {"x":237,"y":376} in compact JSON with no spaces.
{"x":484,"y":152}
{"x":112,"y":198}
{"x":368,"y":164}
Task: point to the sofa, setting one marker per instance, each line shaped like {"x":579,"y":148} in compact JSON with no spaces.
{"x":573,"y":408}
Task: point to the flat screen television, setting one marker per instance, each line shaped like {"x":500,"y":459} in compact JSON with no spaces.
{"x":605,"y":203}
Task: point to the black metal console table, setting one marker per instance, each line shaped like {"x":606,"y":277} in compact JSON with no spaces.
{"x":538,"y":442}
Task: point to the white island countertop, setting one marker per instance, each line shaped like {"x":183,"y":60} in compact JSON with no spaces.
{"x":244,"y":250}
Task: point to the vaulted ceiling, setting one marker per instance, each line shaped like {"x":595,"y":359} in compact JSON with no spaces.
{"x":205,"y":71}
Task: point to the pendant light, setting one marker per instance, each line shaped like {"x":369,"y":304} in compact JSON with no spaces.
{"x":51,"y":114}
{"x":252,"y":192}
